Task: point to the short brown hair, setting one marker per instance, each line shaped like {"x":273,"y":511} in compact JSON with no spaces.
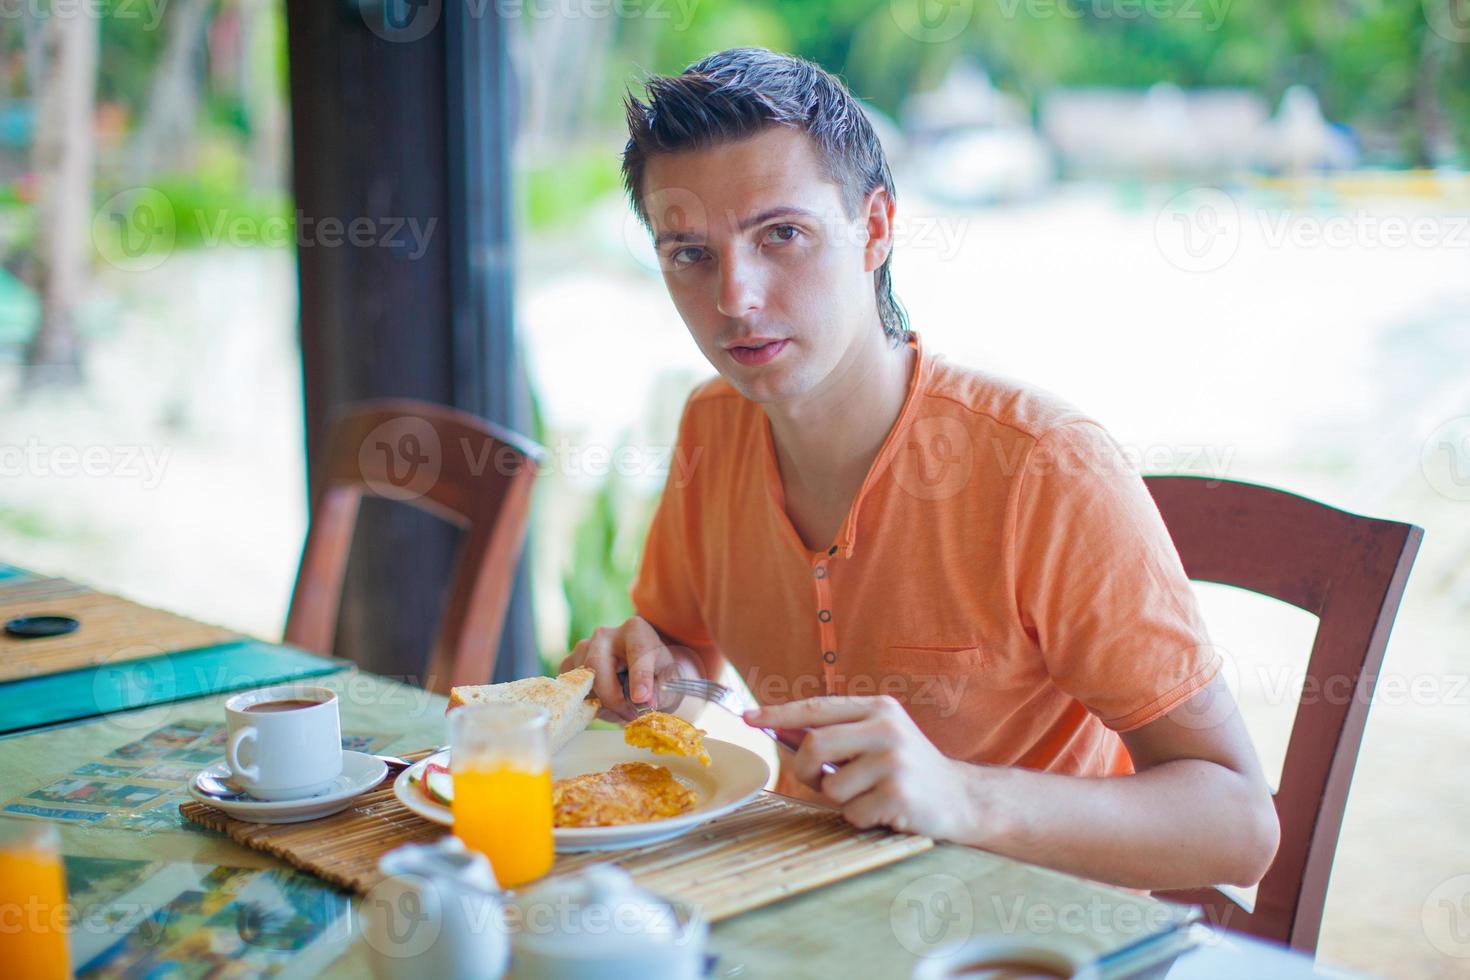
{"x":739,"y":92}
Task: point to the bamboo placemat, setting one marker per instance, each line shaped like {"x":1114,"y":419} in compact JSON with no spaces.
{"x":770,"y":848}
{"x":113,"y":629}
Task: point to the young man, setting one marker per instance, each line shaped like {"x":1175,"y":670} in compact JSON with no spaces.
{"x":952,"y":580}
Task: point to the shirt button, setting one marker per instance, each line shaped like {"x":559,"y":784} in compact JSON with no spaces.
{"x":830,"y":656}
{"x":825,"y":615}
{"x":820,"y":571}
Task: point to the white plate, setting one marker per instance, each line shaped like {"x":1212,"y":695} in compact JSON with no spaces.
{"x":360,"y":773}
{"x":734,"y":776}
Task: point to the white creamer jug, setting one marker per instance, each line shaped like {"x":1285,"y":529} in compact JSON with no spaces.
{"x":437,"y":913}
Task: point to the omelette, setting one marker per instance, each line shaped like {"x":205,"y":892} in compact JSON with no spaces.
{"x":629,"y":792}
{"x":666,"y":734}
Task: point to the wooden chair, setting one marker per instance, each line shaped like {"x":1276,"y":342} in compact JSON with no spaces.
{"x":451,"y":464}
{"x":1349,"y":571}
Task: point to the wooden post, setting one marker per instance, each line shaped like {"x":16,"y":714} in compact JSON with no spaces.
{"x":394,"y":129}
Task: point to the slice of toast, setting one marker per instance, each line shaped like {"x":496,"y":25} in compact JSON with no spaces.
{"x":564,"y":697}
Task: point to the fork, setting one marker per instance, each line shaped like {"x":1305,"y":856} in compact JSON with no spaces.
{"x":716,"y":694}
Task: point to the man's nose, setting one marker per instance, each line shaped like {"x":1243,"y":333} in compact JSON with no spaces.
{"x":740,"y":287}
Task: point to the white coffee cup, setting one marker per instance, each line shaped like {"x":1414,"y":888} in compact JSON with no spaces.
{"x":1003,"y":956}
{"x":285,"y":742}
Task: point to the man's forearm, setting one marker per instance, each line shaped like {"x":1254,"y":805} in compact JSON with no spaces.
{"x":1180,"y":824}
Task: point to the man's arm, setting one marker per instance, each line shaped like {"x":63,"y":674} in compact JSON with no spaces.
{"x":1197,"y":812}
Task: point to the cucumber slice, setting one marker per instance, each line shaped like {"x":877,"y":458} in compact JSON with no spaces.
{"x":439,"y":786}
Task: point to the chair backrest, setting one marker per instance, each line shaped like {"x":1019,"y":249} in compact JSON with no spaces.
{"x":451,"y":464}
{"x":1347,"y":570}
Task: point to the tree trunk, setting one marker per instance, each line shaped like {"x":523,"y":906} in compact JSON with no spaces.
{"x":165,"y":141}
{"x":1432,"y":146}
{"x":65,"y":152}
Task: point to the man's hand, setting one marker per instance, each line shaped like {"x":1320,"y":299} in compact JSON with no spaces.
{"x":889,"y":773}
{"x":638,"y":645}
{"x":1196,"y":811}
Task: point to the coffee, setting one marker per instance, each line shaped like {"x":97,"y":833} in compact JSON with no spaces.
{"x":290,"y":704}
{"x":280,"y":750}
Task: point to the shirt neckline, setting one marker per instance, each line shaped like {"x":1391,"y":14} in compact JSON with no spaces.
{"x":846,"y":539}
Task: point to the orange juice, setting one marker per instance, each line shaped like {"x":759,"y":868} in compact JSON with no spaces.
{"x":505,"y":813}
{"x":32,"y":911}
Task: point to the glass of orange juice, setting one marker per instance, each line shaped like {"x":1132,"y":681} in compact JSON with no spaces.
{"x":501,"y":761}
{"x":32,"y":901}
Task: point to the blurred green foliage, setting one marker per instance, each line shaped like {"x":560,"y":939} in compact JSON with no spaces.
{"x":1374,"y":64}
{"x":603,"y":559}
{"x":207,"y":212}
{"x":557,"y":194}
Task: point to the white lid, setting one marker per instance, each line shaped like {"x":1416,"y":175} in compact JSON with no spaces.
{"x":598,"y":912}
{"x":445,"y":862}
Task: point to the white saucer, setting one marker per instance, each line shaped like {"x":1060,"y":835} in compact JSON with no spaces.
{"x":360,"y":773}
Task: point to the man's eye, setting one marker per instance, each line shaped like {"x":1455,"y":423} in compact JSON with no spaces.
{"x":782,"y":233}
{"x":685,"y":256}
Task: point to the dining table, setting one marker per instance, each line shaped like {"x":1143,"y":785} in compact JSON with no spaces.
{"x":883,"y":922}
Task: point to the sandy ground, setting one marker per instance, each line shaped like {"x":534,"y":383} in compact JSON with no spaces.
{"x":1319,"y":365}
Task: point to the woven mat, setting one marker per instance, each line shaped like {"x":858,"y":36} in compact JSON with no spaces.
{"x":770,"y":848}
{"x":113,"y":629}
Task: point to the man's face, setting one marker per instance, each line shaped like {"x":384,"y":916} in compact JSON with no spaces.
{"x":773,"y":280}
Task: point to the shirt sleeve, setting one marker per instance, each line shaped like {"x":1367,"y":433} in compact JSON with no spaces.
{"x":1099,"y":584}
{"x":665,"y":589}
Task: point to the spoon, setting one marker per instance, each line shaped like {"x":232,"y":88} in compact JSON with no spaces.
{"x":211,"y":785}
{"x":219,"y":789}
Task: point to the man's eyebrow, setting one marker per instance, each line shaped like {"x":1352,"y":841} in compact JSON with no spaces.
{"x":664,"y":237}
{"x":779,"y":211}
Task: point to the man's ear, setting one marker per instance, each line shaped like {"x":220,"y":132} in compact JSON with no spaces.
{"x":877,"y":213}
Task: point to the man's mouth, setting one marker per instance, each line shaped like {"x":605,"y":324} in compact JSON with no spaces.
{"x":756,"y":350}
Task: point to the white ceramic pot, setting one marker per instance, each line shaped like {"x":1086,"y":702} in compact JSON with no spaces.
{"x":599,"y":925}
{"x":437,"y":913}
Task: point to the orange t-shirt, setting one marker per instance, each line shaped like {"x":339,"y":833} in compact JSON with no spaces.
{"x":1002,"y":572}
